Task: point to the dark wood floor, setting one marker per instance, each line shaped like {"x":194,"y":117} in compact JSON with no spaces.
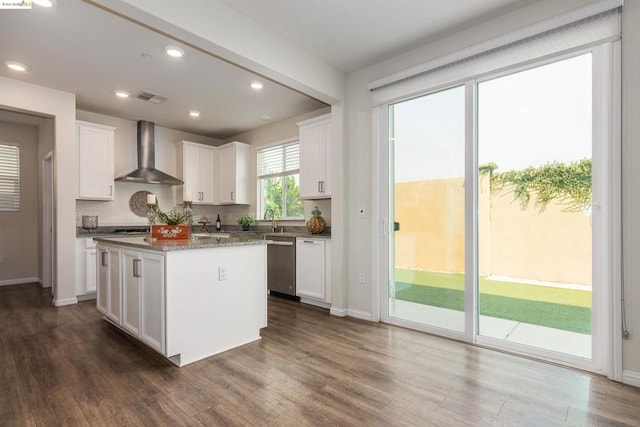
{"x":66,"y":366}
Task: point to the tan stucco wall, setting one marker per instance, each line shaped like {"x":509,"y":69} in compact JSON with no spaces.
{"x":551,"y":246}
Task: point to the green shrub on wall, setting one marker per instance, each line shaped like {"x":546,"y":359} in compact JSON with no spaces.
{"x":568,"y":184}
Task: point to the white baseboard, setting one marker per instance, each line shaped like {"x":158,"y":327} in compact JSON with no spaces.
{"x":339,"y":312}
{"x":315,"y":302}
{"x":67,"y":301}
{"x":359,"y":314}
{"x":20,"y":281}
{"x":631,"y":378}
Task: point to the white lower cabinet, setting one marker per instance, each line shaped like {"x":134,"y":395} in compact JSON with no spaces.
{"x":313,"y":277}
{"x":131,"y":292}
{"x":185,"y":304}
{"x":108,"y":295}
{"x":143,"y":296}
{"x":85,"y":267}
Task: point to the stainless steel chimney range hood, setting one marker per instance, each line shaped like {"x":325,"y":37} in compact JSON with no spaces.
{"x":146,"y":172}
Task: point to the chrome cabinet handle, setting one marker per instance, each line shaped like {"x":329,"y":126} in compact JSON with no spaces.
{"x":111,"y":190}
{"x":232,"y":195}
{"x":136,"y":268}
{"x":103,"y":259}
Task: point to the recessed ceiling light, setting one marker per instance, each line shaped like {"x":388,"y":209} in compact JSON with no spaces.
{"x":121,"y":93}
{"x":194,"y":113}
{"x":256,"y":85}
{"x":44,"y":3}
{"x":174,"y":51}
{"x":16,"y":66}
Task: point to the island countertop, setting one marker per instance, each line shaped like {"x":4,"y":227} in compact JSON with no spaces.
{"x":164,"y":245}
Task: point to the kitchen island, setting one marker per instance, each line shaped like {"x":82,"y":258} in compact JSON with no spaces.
{"x":187,"y":299}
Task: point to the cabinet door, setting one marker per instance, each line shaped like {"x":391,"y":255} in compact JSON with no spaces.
{"x":114,"y":283}
{"x":191,"y":171}
{"x":207,"y":177}
{"x":310,"y":268}
{"x":131,"y":273}
{"x":152,"y":300}
{"x":226,"y":175}
{"x":315,"y":155}
{"x":96,"y":162}
{"x":102,"y":266}
{"x":90,"y":270}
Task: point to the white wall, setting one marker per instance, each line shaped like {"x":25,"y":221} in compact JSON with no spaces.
{"x":61,"y":106}
{"x":631,"y":182}
{"x":117,"y":211}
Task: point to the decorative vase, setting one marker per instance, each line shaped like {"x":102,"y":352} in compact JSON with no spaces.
{"x":316,"y":224}
{"x":166,"y":232}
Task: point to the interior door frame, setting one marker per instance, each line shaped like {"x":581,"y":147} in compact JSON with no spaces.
{"x":607,"y":355}
{"x":47,"y":222}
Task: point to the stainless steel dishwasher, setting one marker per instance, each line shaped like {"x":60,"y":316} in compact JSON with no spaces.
{"x":281,"y":265}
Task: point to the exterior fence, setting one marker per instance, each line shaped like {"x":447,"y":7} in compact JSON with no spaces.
{"x":528,"y":244}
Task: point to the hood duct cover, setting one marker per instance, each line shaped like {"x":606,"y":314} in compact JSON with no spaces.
{"x":146,"y":172}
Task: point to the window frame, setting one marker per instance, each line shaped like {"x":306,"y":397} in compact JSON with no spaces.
{"x":282,"y":175}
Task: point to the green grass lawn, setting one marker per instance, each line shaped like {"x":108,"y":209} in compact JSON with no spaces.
{"x":559,"y":308}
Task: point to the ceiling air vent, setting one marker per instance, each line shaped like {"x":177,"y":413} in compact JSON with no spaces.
{"x":151,"y":97}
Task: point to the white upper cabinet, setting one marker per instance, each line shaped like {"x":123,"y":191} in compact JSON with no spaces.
{"x":315,"y":158}
{"x":95,"y":161}
{"x":196,"y":167}
{"x":233,"y":174}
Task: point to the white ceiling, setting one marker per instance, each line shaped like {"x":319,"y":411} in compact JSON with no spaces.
{"x":352,"y":34}
{"x":79,"y":48}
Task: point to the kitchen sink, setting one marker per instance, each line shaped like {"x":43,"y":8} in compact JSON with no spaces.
{"x":210,"y":235}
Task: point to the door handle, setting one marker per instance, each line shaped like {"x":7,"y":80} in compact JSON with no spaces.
{"x":103,"y":259}
{"x":232,"y":195}
{"x":136,"y":268}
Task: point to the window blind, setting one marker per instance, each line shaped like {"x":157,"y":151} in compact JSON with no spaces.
{"x":9,"y":177}
{"x":279,"y":160}
{"x":581,"y":28}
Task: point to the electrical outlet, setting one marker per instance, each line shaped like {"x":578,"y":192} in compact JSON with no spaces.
{"x":1,"y":258}
{"x":222,"y":274}
{"x":361,"y":278}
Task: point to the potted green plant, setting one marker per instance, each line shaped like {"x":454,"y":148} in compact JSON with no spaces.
{"x":245,"y":221}
{"x":176,"y":224}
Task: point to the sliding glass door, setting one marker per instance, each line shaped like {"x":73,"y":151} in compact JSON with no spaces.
{"x":534,"y":207}
{"x":494,"y":233}
{"x":428,"y":137}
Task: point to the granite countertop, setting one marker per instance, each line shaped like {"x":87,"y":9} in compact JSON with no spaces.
{"x":165,"y":245}
{"x":238,"y":234}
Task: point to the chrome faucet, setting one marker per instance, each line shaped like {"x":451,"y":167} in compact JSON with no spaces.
{"x":274,"y":223}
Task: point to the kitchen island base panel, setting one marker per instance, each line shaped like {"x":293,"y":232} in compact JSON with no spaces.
{"x":216,"y":299}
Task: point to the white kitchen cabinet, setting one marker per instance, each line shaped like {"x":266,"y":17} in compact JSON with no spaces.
{"x":315,"y":157}
{"x":187,"y":304}
{"x":196,"y":167}
{"x":85,"y":268}
{"x":108,"y":293}
{"x":143,"y":296}
{"x":313,"y":277}
{"x":233,"y":174}
{"x":95,"y":161}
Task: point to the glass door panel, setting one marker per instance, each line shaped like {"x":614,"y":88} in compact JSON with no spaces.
{"x":534,"y":207}
{"x":427,"y":257}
